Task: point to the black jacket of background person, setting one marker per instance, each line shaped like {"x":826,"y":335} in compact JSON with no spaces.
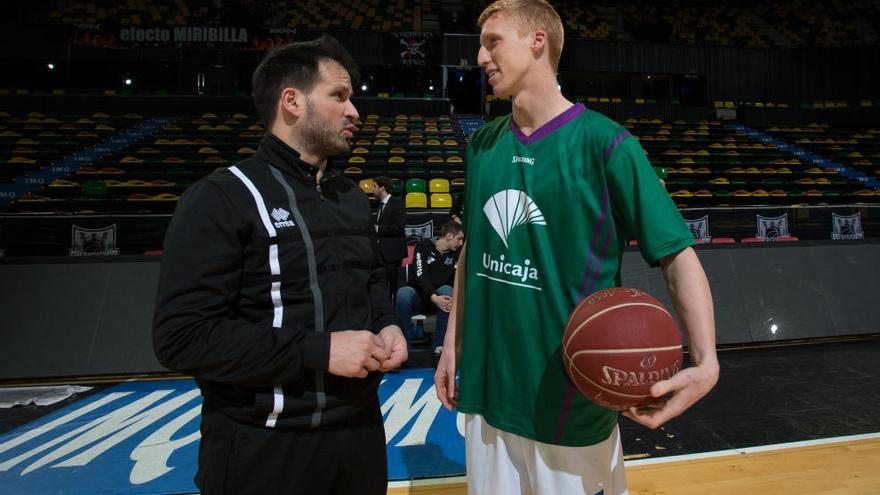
{"x":432,"y":268}
{"x":391,"y":231}
{"x":245,"y":313}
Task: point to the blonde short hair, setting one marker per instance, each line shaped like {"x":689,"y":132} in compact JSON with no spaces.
{"x":532,"y":15}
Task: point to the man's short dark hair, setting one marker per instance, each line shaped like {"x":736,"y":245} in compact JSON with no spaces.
{"x":384,"y":182}
{"x":295,"y":65}
{"x":450,"y":227}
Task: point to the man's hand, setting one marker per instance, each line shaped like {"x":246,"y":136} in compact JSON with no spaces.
{"x":354,"y":353}
{"x":444,"y":378}
{"x":687,"y":387}
{"x":689,"y":290}
{"x":444,"y":303}
{"x":395,"y":345}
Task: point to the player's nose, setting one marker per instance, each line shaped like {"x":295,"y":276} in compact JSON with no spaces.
{"x":483,"y":57}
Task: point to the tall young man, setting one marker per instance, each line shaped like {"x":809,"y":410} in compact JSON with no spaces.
{"x":272,"y":295}
{"x":553,"y":193}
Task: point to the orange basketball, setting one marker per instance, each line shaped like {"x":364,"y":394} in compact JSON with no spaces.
{"x":617,"y":343}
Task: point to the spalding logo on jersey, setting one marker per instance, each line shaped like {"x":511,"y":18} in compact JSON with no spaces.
{"x":509,"y":209}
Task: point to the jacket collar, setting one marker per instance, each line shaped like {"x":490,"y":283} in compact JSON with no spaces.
{"x":278,"y":154}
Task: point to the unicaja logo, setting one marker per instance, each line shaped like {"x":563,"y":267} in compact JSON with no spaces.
{"x":281,"y":218}
{"x":509,"y":209}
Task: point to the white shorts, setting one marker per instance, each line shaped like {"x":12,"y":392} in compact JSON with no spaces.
{"x":499,"y":462}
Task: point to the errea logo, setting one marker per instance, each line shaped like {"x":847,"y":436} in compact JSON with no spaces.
{"x":281,"y":218}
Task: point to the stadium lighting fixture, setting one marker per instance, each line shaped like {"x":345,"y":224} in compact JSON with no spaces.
{"x":431,"y":88}
{"x":363,"y":87}
{"x":128,"y":81}
{"x":50,"y":66}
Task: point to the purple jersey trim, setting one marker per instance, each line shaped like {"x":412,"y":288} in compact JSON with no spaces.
{"x":617,"y":140}
{"x":545,"y":130}
{"x":591,"y":275}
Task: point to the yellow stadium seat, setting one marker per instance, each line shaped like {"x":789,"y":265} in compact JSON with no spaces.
{"x":441,"y":200}
{"x":366,"y":186}
{"x":438,"y":186}
{"x":360,"y":150}
{"x":454,"y":159}
{"x":416,"y":200}
{"x":63,"y":183}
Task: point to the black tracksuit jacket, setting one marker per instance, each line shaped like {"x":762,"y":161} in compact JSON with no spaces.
{"x":260,"y":264}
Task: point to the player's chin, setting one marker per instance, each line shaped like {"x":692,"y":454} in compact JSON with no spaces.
{"x":500,"y":91}
{"x":343,"y":146}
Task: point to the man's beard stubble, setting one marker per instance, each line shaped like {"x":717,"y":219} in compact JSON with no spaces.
{"x":321,"y":136}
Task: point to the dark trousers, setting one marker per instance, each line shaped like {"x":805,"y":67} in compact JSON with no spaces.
{"x":392,"y":271}
{"x":342,"y":459}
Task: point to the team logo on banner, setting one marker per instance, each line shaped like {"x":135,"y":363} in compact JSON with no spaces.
{"x":846,"y":227}
{"x":770,"y":228}
{"x":93,"y":242}
{"x":700,"y":229}
{"x":415,"y":48}
{"x":415,"y":233}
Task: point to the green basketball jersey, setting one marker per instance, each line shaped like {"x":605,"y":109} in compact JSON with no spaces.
{"x":548,"y":217}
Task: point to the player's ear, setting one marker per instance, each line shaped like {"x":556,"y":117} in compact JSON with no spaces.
{"x":292,"y":103}
{"x":539,"y":42}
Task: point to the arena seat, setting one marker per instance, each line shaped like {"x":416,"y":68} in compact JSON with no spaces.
{"x":416,"y":200}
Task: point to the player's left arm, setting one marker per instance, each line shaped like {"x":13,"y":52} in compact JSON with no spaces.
{"x":692,"y":298}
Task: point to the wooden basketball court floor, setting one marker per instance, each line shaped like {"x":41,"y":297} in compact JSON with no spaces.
{"x":839,"y":466}
{"x":801,"y":419}
{"x":783,"y":420}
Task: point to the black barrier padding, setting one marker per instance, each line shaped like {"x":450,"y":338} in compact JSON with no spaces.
{"x":77,"y":318}
{"x":89,"y":316}
{"x":806,"y":291}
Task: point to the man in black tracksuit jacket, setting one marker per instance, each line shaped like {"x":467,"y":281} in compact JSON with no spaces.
{"x":272,"y":295}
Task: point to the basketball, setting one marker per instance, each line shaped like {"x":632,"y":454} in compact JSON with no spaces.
{"x":617,"y":343}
